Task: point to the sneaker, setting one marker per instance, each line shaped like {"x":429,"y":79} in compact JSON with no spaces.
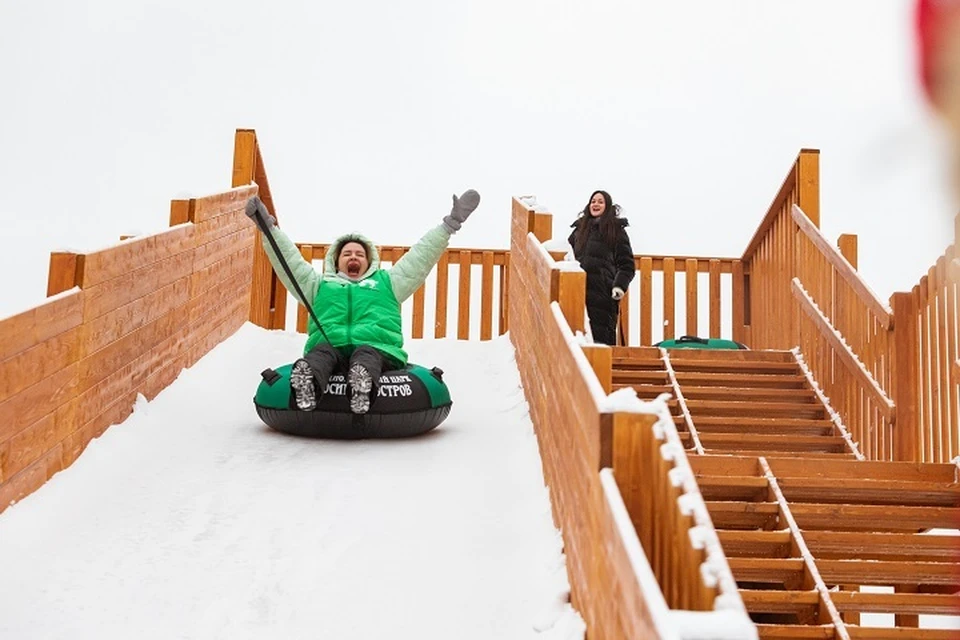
{"x":360,"y":385}
{"x":301,"y":379}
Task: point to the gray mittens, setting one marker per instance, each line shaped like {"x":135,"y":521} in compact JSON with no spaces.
{"x":254,"y":206}
{"x":461,"y":210}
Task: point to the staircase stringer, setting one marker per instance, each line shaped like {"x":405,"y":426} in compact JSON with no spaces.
{"x":828,"y":611}
{"x":838,"y":425}
{"x":671,"y":374}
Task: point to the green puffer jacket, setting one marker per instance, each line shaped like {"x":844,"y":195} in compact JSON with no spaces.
{"x":366,"y":311}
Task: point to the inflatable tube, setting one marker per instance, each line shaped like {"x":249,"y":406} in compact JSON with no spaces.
{"x":409,"y":402}
{"x":695,"y":342}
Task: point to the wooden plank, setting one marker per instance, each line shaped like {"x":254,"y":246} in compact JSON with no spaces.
{"x":873,"y":517}
{"x":755,"y":544}
{"x":646,"y":301}
{"x":916,"y":604}
{"x":878,"y":470}
{"x":36,"y":363}
{"x":906,"y":357}
{"x":808,"y":184}
{"x":220,"y":204}
{"x":463,"y":298}
{"x":845,"y":356}
{"x":136,"y":254}
{"x":505,"y":296}
{"x":124,"y":289}
{"x":841,"y":267}
{"x":743,"y":515}
{"x":847,"y":244}
{"x":870,"y":491}
{"x":64,"y":272}
{"x":54,"y":317}
{"x":36,"y":441}
{"x":33,"y":403}
{"x":883,"y":546}
{"x":897,"y":633}
{"x":571,"y":295}
{"x":440,"y":318}
{"x":103,"y":330}
{"x":181,"y":212}
{"x":600,"y":359}
{"x":715,"y":311}
{"x":738,"y":302}
{"x":787,"y":572}
{"x":888,"y":572}
{"x":669,"y":299}
{"x":30,"y":479}
{"x":486,"y":297}
{"x":795,"y":632}
{"x":764,"y":601}
{"x":244,"y":156}
{"x":691,"y":300}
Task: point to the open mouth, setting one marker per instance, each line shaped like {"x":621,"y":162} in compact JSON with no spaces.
{"x":353,"y":269}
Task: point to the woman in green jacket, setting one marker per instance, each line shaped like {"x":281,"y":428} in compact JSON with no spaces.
{"x":357,"y":303}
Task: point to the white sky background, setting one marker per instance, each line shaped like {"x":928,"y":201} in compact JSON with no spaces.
{"x":371,"y":114}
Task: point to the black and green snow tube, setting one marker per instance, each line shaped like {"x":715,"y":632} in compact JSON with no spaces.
{"x":694,"y":342}
{"x":409,"y":402}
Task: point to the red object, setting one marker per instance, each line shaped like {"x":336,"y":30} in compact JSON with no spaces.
{"x":930,"y":17}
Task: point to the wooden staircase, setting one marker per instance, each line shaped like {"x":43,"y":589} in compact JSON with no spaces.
{"x":817,"y":538}
{"x":736,"y":402}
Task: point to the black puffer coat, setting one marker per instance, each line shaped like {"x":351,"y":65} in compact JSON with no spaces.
{"x":606,"y":267}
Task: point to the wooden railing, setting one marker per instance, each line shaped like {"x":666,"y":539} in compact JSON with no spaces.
{"x":581,"y":441}
{"x":121,"y":322}
{"x":430,"y":304}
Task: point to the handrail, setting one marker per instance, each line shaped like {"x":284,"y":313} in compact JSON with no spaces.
{"x":882,"y":311}
{"x":849,"y":359}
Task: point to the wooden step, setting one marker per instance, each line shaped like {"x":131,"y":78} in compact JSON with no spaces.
{"x":899,"y":633}
{"x":731,"y":355}
{"x":879,"y":518}
{"x":795,"y":632}
{"x":745,"y":442}
{"x":742,"y":380}
{"x":909,"y":471}
{"x":857,"y":491}
{"x":783,"y":426}
{"x":888,"y":572}
{"x":627,"y":376}
{"x":782,"y":572}
{"x":737,"y":488}
{"x":798,"y":396}
{"x":883,"y":546}
{"x":723,"y":366}
{"x":744,"y":515}
{"x":897,"y":603}
{"x":770,"y":601}
{"x":717,"y":408}
{"x":645,"y":391}
{"x":755,"y":544}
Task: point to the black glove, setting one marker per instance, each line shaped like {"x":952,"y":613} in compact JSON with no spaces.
{"x":254,"y":206}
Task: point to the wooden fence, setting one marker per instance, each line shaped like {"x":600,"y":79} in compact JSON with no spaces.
{"x":121,"y":322}
{"x":578,"y":439}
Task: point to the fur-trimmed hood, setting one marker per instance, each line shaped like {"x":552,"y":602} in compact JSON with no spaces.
{"x":373,"y":256}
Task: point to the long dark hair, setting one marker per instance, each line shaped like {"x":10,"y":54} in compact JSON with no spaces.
{"x":608,"y":222}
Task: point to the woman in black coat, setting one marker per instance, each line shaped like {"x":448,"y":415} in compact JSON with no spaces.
{"x":602,"y":247}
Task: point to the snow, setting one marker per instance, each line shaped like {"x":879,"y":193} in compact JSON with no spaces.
{"x":194,"y":520}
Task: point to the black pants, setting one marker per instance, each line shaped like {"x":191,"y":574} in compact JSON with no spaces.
{"x":603,"y":324}
{"x":323,"y":359}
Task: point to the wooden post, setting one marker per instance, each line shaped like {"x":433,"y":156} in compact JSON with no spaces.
{"x":571,"y":291}
{"x":65,"y":272}
{"x":600,"y":357}
{"x":542,"y":226}
{"x":244,"y":172}
{"x":808,"y":184}
{"x":181,"y":211}
{"x":905,"y":372}
{"x":847,"y":243}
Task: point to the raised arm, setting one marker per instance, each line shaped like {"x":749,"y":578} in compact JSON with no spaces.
{"x":410,"y":271}
{"x":303,"y":272}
